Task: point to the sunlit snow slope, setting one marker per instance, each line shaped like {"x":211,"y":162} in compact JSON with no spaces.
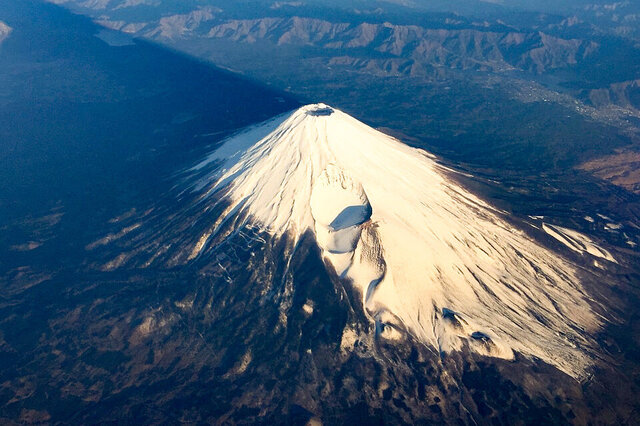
{"x":428,"y":257}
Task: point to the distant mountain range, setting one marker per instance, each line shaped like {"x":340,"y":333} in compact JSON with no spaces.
{"x":378,"y":47}
{"x":403,"y":49}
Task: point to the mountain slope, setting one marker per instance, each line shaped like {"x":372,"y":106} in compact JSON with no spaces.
{"x":429,"y":258}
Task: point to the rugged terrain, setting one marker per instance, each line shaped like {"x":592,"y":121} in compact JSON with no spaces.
{"x":154,"y":268}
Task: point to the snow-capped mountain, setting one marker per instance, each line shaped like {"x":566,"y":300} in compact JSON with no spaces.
{"x":430,"y":259}
{"x":5,"y":30}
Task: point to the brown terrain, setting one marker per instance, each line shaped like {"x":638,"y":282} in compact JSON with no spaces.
{"x":622,"y":169}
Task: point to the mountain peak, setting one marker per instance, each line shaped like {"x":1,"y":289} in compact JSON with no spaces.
{"x":317,"y":110}
{"x":428,"y":257}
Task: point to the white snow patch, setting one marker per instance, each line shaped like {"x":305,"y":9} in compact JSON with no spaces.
{"x":577,"y":242}
{"x":612,"y":226}
{"x":449,"y":169}
{"x":429,"y":257}
{"x":308,"y":307}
